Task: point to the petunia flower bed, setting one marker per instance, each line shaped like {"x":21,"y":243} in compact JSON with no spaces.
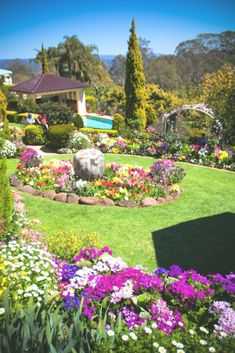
{"x":119,"y":183}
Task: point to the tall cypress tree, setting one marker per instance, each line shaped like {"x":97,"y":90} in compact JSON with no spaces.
{"x":135,"y":84}
{"x":45,"y":67}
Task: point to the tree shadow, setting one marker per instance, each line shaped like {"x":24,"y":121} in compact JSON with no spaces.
{"x":205,"y":244}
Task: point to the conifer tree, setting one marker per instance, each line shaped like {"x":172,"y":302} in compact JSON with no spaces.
{"x":44,"y":62}
{"x":135,"y":84}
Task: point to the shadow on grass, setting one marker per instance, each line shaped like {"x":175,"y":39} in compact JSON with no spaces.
{"x":205,"y":244}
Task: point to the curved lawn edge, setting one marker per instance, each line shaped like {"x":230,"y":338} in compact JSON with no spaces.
{"x":132,"y":233}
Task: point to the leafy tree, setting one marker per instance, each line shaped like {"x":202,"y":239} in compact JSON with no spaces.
{"x":218,"y":90}
{"x":135,"y":84}
{"x":21,"y":72}
{"x":118,"y":70}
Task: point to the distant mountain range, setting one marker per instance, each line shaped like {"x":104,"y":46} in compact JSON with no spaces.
{"x":5,"y":63}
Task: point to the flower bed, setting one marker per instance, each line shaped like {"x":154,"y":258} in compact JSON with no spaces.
{"x":96,"y":303}
{"x":119,"y":184}
{"x":209,"y":155}
{"x":116,"y":308}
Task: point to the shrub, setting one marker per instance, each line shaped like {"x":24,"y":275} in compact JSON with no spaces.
{"x":78,"y":121}
{"x":34,"y":135}
{"x":12,"y":116}
{"x":58,"y":135}
{"x":99,"y":131}
{"x":56,"y":113}
{"x":66,"y":244}
{"x":119,"y":122}
{"x":91,"y":103}
{"x":27,"y":106}
{"x":6,"y":201}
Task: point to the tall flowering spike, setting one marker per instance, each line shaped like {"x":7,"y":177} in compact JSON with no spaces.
{"x":135,"y":84}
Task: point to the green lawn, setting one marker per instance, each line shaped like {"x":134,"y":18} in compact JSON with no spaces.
{"x":196,"y":231}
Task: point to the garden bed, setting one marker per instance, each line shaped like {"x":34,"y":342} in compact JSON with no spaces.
{"x":120,"y":185}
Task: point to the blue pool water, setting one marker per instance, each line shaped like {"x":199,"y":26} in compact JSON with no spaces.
{"x":97,"y":122}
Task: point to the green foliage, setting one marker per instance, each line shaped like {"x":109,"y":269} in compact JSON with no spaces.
{"x":151,"y":114}
{"x":3,"y":120}
{"x":21,"y":71}
{"x":34,"y":135}
{"x":12,"y":116}
{"x":44,"y":62}
{"x":78,"y":121}
{"x":56,"y":113}
{"x":58,"y":135}
{"x":91,"y":103}
{"x":88,"y":130}
{"x":6,"y":202}
{"x":27,"y":106}
{"x":65,"y":245}
{"x":135,"y":85}
{"x":119,"y":122}
{"x":218,"y":91}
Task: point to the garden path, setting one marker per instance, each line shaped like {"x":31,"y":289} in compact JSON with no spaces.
{"x":43,"y":150}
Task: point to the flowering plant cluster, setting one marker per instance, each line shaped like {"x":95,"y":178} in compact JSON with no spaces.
{"x":52,"y":175}
{"x":205,"y":154}
{"x":127,"y":183}
{"x":27,"y":271}
{"x":8,"y":150}
{"x":77,"y":140}
{"x":166,"y":173}
{"x":166,"y":300}
{"x":118,"y":182}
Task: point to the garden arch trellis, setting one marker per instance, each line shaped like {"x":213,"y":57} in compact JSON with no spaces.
{"x":200,"y":107}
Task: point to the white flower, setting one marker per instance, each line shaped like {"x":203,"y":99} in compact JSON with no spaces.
{"x":2,"y":311}
{"x":174,"y":343}
{"x":223,"y":334}
{"x":161,"y":349}
{"x":192,"y":332}
{"x":169,"y":323}
{"x":203,"y":342}
{"x":154,"y":325}
{"x":133,"y":336}
{"x":147,"y":330}
{"x":110,"y":333}
{"x":125,"y":338}
{"x":203,"y":329}
{"x":155,"y":345}
{"x":212,"y":349}
{"x":180,"y":351}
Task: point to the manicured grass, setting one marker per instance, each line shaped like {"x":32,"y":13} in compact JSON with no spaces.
{"x":196,"y":231}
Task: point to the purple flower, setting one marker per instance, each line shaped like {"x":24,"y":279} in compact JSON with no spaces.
{"x":175,"y":271}
{"x":161,"y":271}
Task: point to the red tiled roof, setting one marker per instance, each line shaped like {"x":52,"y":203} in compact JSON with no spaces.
{"x":47,"y":83}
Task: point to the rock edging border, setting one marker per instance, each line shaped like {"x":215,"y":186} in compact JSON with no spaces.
{"x":73,"y":198}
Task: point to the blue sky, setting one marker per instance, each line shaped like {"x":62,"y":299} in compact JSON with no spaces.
{"x":26,"y":24}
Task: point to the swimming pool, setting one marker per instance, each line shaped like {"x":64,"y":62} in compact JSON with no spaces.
{"x":98,"y":122}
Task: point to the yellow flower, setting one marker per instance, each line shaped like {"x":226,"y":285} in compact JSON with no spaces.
{"x":175,"y":188}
